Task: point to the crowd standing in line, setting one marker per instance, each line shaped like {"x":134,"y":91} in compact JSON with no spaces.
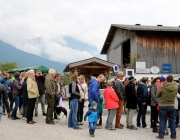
{"x":161,"y":94}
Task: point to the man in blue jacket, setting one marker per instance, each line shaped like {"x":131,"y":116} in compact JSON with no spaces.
{"x":93,"y":89}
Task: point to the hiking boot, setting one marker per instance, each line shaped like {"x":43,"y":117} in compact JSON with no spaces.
{"x":119,"y":127}
{"x":131,"y":127}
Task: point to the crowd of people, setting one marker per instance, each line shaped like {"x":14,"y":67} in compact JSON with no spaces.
{"x":25,"y":90}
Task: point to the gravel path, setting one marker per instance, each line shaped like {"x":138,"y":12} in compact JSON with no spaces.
{"x":20,"y":130}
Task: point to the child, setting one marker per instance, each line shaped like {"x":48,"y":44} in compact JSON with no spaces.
{"x":92,"y":118}
{"x":100,"y":109}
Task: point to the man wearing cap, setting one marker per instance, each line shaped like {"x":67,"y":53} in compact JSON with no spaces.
{"x":120,"y":91}
{"x":131,"y":102}
{"x":16,"y":85}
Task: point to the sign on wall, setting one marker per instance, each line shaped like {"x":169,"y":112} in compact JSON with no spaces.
{"x":142,"y":70}
{"x":129,"y":72}
{"x":115,"y":69}
{"x":166,"y":68}
{"x":154,"y":69}
{"x":140,"y":65}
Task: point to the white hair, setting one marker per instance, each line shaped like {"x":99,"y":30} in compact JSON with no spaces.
{"x":120,"y":73}
{"x":30,"y":72}
{"x":51,"y":71}
{"x":109,"y":83}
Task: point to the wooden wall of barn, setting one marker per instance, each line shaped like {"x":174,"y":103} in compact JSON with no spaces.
{"x":114,"y":54}
{"x":156,"y":48}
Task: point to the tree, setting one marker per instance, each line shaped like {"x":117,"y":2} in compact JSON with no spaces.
{"x":65,"y":79}
{"x":8,"y":66}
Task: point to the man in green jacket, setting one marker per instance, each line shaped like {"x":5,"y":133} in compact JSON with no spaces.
{"x":167,"y":94}
{"x":50,"y":95}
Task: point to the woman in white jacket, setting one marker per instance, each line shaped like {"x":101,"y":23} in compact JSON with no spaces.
{"x":84,"y":96}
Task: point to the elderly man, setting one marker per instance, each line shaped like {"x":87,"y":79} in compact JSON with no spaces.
{"x":167,"y":94}
{"x":50,"y":95}
{"x":120,"y":91}
{"x":33,"y":93}
{"x":93,"y":89}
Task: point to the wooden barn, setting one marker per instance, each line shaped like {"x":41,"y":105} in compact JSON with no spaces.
{"x":154,"y":45}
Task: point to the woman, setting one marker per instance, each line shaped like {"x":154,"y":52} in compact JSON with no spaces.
{"x":33,"y":93}
{"x":25,"y":97}
{"x":75,"y":96}
{"x":16,"y":92}
{"x":83,"y":93}
{"x":111,"y":103}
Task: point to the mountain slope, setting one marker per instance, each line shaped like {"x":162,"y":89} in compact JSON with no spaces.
{"x":23,"y":59}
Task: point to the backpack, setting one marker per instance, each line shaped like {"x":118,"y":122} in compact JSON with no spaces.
{"x":67,"y":93}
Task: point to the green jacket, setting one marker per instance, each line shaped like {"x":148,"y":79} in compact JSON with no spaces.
{"x":167,"y":94}
{"x":49,"y":85}
{"x":100,"y":104}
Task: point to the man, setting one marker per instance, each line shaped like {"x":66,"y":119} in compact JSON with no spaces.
{"x":57,"y":91}
{"x":131,"y":102}
{"x":40,"y":82}
{"x":4,"y":97}
{"x":153,"y":103}
{"x":93,"y":89}
{"x":120,"y":91}
{"x":142,"y":100}
{"x":50,"y":95}
{"x":167,"y":94}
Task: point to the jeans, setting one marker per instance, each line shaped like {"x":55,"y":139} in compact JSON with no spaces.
{"x":110,"y":118}
{"x":16,"y":100}
{"x":80,"y":111}
{"x":41,"y":98}
{"x":72,"y":120}
{"x":141,"y":112}
{"x":3,"y":105}
{"x":92,"y":126}
{"x":162,"y":116}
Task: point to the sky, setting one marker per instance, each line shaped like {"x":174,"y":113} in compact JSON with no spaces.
{"x":87,"y":21}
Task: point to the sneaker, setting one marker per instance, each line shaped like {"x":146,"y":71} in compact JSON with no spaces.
{"x":147,"y":126}
{"x":12,"y":118}
{"x":131,"y":127}
{"x":81,"y":123}
{"x":4,"y":113}
{"x":17,"y":118}
{"x":23,"y":118}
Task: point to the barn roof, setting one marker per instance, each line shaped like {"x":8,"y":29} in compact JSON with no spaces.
{"x":87,"y":61}
{"x":136,"y":27}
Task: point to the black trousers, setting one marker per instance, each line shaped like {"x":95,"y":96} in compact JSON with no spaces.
{"x":20,"y":102}
{"x":11,"y":100}
{"x":100,"y":119}
{"x":80,"y":111}
{"x":154,"y":116}
{"x":25,"y":110}
{"x":30,"y":109}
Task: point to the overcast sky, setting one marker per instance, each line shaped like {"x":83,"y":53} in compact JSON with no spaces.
{"x":85,"y":20}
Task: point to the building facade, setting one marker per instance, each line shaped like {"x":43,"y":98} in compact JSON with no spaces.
{"x":155,"y":45}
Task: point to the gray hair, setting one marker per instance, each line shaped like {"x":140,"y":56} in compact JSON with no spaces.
{"x":119,"y":73}
{"x":30,"y":72}
{"x":51,"y":71}
{"x":109,"y":83}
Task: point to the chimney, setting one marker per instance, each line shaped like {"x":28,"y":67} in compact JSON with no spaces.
{"x":138,"y":24}
{"x":159,"y":25}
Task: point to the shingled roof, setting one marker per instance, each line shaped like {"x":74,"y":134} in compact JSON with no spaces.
{"x":136,"y":27}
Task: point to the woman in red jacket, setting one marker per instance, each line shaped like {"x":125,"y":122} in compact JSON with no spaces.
{"x":111,"y":102}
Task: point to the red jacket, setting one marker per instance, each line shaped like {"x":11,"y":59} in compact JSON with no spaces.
{"x":111,"y":98}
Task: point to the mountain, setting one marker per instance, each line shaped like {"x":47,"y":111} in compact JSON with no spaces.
{"x":10,"y":54}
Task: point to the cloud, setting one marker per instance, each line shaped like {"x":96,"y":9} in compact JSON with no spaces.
{"x":86,"y":21}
